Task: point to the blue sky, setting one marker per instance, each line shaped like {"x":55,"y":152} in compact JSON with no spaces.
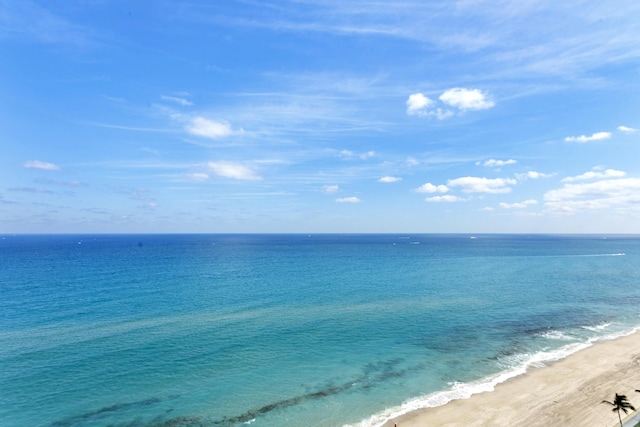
{"x":320,"y":116}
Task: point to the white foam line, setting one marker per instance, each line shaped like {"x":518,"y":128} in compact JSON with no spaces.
{"x":466,"y":390}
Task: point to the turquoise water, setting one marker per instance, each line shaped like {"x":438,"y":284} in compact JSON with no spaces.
{"x":297,"y":330}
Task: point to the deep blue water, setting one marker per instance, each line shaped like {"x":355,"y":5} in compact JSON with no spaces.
{"x":297,"y":330}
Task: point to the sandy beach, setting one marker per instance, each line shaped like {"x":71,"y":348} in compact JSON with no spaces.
{"x":566,"y":393}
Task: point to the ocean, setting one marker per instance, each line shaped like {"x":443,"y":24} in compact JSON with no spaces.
{"x":292,"y":330}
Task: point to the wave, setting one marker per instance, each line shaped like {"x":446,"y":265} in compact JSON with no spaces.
{"x":523,"y":363}
{"x":597,"y":255}
{"x":556,"y":335}
{"x":597,"y":328}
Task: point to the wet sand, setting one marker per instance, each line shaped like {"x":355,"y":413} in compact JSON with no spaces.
{"x":566,"y":393}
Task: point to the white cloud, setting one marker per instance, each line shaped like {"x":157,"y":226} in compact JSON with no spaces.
{"x":487,"y":209}
{"x":493,"y":163}
{"x":412,"y":162}
{"x":58,"y":182}
{"x":180,"y":101}
{"x":233,"y":170}
{"x":595,"y":174}
{"x":471,"y":184}
{"x":368,"y":154}
{"x":466,"y":99}
{"x":441,"y":114}
{"x":37,"y":164}
{"x":198,"y":176}
{"x":610,"y":194}
{"x":389,"y":179}
{"x":463,"y":99}
{"x":30,"y":190}
{"x":518,"y":205}
{"x":417,"y":104}
{"x":626,"y":129}
{"x":430,"y":188}
{"x":348,"y":200}
{"x":444,"y":199}
{"x":330,"y":189}
{"x":584,"y":138}
{"x":533,"y":175}
{"x":348,"y":154}
{"x":209,"y":129}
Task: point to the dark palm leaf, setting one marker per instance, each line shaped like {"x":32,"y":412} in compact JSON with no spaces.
{"x":620,"y":403}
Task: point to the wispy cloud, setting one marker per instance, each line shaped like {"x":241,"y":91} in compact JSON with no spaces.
{"x":27,"y":20}
{"x":60,"y":182}
{"x":330,"y":189}
{"x":411,"y":162}
{"x":201,"y":126}
{"x":444,"y":199}
{"x":533,"y":175}
{"x":180,"y":101}
{"x":313,"y":106}
{"x":233,"y":170}
{"x":348,"y":200}
{"x":348,"y":154}
{"x":626,"y":129}
{"x":198,"y":176}
{"x":525,"y":34}
{"x":131,"y":128}
{"x":493,"y":163}
{"x":37,"y":164}
{"x":30,"y":190}
{"x":596,"y":173}
{"x":598,"y":136}
{"x":518,"y":205}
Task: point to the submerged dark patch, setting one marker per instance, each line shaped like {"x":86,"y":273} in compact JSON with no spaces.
{"x":87,"y":416}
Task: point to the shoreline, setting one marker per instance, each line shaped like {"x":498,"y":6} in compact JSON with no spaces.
{"x":567,"y":392}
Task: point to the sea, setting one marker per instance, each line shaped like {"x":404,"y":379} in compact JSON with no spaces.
{"x":293,"y":329}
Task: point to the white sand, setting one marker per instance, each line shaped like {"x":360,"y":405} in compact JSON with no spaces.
{"x":565,"y":394}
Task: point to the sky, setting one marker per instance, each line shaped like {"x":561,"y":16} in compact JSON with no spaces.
{"x":320,"y":116}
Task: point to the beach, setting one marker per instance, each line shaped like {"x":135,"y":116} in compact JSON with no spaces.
{"x":566,"y":393}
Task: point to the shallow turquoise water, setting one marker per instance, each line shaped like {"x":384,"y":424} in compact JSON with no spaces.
{"x":300,"y":330}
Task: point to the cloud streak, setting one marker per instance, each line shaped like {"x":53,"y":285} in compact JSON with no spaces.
{"x":518,"y":205}
{"x":598,"y":136}
{"x":233,"y":170}
{"x":180,"y":101}
{"x":596,"y":174}
{"x":348,"y":200}
{"x":444,"y":199}
{"x":493,"y":163}
{"x":212,"y":129}
{"x":37,"y":164}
